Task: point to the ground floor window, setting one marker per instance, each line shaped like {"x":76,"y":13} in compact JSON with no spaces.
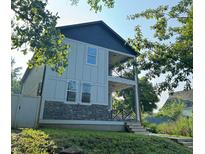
{"x":71,"y":91}
{"x":86,"y":92}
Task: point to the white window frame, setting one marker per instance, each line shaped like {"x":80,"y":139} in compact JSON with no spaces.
{"x":87,"y":55}
{"x":76,"y":96}
{"x":81,"y":94}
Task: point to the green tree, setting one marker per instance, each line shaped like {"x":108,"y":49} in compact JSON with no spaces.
{"x":171,"y":54}
{"x":34,"y":30}
{"x":172,"y":109}
{"x":147,"y":96}
{"x":15,"y":80}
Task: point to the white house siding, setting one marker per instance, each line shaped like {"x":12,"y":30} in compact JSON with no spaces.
{"x":54,"y":88}
{"x":30,"y":85}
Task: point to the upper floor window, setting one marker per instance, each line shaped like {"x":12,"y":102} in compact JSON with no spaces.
{"x":86,"y":92}
{"x":71,"y":91}
{"x":91,"y":56}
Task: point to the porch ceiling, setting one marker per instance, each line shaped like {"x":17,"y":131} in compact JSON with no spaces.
{"x":115,"y":86}
{"x":115,"y":58}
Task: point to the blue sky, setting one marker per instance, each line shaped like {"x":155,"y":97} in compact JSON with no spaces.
{"x":116,"y":18}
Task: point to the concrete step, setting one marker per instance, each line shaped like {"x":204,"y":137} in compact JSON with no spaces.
{"x":135,"y":127}
{"x":191,"y":147}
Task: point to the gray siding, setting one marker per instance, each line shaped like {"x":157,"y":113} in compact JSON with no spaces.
{"x":55,"y":85}
{"x":30,"y":85}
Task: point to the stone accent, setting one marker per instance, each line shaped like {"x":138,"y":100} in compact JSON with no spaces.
{"x":62,"y":111}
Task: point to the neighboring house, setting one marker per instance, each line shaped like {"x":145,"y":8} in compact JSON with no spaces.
{"x":183,"y":96}
{"x":82,"y":96}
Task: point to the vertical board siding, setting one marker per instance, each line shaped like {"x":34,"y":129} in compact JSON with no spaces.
{"x":60,"y":84}
{"x":30,"y":85}
{"x":79,"y":60}
{"x":79,"y":71}
{"x":49,"y":88}
{"x":71,"y":60}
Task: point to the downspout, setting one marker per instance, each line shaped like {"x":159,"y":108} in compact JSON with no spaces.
{"x":39,"y":109}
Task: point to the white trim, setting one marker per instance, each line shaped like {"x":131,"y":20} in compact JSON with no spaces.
{"x":96,"y":58}
{"x":119,"y":52}
{"x":121,"y":80}
{"x":82,"y":122}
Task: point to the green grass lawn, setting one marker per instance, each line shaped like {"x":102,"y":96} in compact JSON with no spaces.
{"x":50,"y":140}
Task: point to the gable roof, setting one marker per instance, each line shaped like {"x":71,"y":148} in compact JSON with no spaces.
{"x":97,"y":33}
{"x":184,"y":96}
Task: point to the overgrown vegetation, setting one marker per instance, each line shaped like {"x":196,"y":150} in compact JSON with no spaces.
{"x":183,"y":126}
{"x":177,"y":124}
{"x":172,"y":110}
{"x":92,"y":142}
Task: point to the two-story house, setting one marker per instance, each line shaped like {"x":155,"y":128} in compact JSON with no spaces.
{"x":82,"y":96}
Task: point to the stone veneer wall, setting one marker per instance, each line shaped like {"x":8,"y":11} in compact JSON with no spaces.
{"x":62,"y":111}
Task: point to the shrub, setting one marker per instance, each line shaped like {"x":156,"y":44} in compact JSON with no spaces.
{"x":32,"y":141}
{"x":172,"y":109}
{"x":183,"y":127}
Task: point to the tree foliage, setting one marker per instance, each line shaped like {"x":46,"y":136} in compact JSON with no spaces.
{"x":15,"y":80}
{"x":97,"y":5}
{"x":147,"y":97}
{"x":172,"y":109}
{"x":171,"y":55}
{"x":172,"y":52}
{"x":34,"y":29}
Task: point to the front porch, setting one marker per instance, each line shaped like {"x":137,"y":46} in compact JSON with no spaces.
{"x":119,"y":108}
{"x":121,"y":77}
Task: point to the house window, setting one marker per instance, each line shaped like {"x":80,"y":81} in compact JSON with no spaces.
{"x":92,"y":56}
{"x":86,"y":93}
{"x":71,"y":91}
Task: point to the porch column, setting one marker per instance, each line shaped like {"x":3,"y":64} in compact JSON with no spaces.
{"x":137,"y":107}
{"x":110,"y":100}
